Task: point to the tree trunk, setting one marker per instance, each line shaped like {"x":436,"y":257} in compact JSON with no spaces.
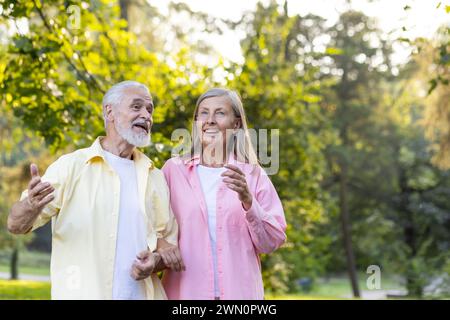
{"x":14,"y":272}
{"x":346,"y":230}
{"x":414,"y":287}
{"x":124,"y":10}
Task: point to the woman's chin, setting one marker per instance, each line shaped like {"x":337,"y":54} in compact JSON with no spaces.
{"x":211,"y":142}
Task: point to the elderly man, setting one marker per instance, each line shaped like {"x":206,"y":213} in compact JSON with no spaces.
{"x":112,"y":226}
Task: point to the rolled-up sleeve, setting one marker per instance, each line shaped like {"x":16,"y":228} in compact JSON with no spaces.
{"x":166,"y":226}
{"x":265,"y":218}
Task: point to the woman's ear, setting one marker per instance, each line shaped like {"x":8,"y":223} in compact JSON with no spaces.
{"x":238,"y":124}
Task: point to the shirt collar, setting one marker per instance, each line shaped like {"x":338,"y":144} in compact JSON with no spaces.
{"x":96,"y":151}
{"x":192,"y":160}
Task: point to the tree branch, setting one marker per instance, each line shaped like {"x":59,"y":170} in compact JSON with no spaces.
{"x":90,"y":79}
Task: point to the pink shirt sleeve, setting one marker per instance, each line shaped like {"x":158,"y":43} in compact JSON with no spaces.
{"x":265,"y":218}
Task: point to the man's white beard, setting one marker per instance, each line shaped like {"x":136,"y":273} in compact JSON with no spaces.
{"x":136,"y":139}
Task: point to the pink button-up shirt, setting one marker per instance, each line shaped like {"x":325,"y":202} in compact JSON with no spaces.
{"x":241,"y":235}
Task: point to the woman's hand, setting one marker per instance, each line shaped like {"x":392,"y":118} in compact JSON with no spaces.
{"x":235,"y":180}
{"x":171,"y":255}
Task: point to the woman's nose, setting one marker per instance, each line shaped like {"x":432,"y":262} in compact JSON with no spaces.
{"x":211,"y":119}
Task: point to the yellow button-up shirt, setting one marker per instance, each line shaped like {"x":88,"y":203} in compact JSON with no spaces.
{"x":85,"y":214}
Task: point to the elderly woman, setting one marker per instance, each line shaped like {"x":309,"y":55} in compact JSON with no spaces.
{"x":227,"y":208}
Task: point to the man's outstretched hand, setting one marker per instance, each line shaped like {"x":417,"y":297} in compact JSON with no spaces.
{"x":39,"y":193}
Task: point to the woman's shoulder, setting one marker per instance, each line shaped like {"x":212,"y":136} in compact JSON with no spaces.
{"x":178,"y":162}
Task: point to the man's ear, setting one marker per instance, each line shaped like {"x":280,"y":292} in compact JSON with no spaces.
{"x":108,"y":111}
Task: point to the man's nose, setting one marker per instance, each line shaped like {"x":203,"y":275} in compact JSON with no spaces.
{"x":146,"y":114}
{"x":211,"y":118}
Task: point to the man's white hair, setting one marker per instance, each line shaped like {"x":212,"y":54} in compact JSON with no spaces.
{"x":116,"y":94}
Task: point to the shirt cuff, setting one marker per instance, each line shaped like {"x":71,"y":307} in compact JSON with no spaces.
{"x":253,"y":215}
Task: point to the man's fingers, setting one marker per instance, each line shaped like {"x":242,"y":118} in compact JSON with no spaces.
{"x":46,"y":200}
{"x":143,"y":255}
{"x":34,"y":170}
{"x":145,"y":267}
{"x":139,"y":267}
{"x":44,"y":193}
{"x":38,"y":188}
{"x":139,"y":272}
{"x":34,"y":182}
{"x":134,"y":274}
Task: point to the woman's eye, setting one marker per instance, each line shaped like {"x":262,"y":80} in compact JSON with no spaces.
{"x":221,"y":113}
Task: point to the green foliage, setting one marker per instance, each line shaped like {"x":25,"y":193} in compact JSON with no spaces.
{"x":55,"y":76}
{"x":277,"y":94}
{"x":336,"y":103}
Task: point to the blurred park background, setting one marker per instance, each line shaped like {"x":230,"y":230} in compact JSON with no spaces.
{"x":358,"y":90}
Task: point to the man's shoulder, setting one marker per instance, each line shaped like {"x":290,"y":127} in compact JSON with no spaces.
{"x":73,"y":159}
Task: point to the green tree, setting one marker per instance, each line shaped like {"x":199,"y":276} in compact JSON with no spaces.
{"x":415,"y":195}
{"x":359,"y":61}
{"x":280,"y":87}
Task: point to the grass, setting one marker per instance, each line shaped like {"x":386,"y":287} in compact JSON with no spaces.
{"x":339,"y":285}
{"x":24,"y":290}
{"x":28,"y":270}
{"x":33,"y":290}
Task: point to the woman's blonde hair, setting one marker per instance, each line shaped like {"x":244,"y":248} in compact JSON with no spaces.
{"x":241,"y":146}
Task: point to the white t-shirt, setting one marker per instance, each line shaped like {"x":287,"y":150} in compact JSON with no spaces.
{"x":209,"y":180}
{"x":131,"y":239}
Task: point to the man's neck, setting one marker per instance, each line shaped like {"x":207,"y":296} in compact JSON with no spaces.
{"x":118,"y":147}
